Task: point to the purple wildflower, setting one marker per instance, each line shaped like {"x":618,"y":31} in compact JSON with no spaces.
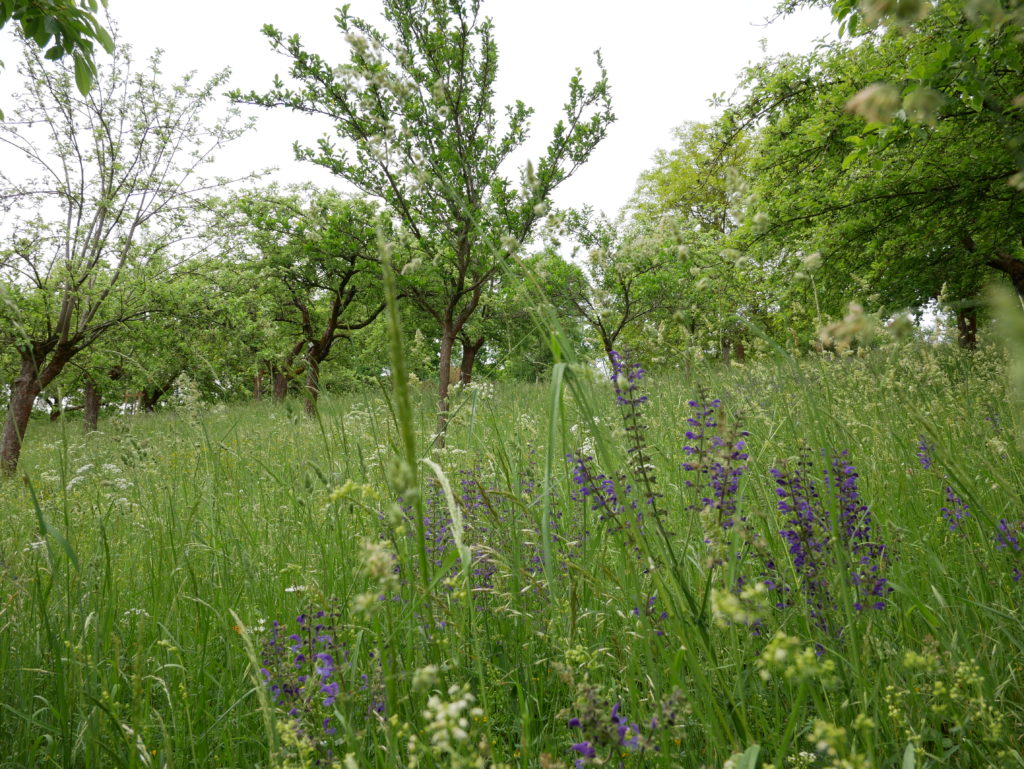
{"x":718,"y":457}
{"x":600,"y":489}
{"x":924,"y":452}
{"x":602,"y":728}
{"x":816,"y":542}
{"x":331,"y":693}
{"x":955,"y":510}
{"x":304,"y":672}
{"x":626,"y":379}
{"x":1008,"y":539}
{"x":808,"y":537}
{"x":855,"y":530}
{"x":584,"y":748}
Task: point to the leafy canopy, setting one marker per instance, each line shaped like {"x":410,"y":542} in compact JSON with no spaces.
{"x":64,"y":29}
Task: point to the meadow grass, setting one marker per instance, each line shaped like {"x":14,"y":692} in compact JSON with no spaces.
{"x":144,"y":568}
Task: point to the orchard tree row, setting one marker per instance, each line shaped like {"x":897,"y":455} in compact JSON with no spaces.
{"x":885,"y":168}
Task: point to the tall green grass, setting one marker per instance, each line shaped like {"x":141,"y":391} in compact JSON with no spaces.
{"x":142,"y":567}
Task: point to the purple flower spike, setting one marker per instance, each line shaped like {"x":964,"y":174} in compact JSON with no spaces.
{"x":924,"y":453}
{"x":813,"y":540}
{"x":955,"y":510}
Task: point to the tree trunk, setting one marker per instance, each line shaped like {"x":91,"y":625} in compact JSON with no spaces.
{"x":24,"y":390}
{"x":1013,"y":267}
{"x":92,"y":407}
{"x":280,"y":385}
{"x":312,"y":384}
{"x":35,"y":374}
{"x":967,"y":327}
{"x":726,"y":351}
{"x":741,"y":351}
{"x":57,"y":413}
{"x":257,"y":385}
{"x":151,"y":396}
{"x":444,"y":381}
{"x":469,"y":351}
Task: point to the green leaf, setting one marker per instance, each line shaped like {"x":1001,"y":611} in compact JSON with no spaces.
{"x":54,"y":53}
{"x":909,"y":757}
{"x":103,"y":38}
{"x":38,"y":34}
{"x":747,"y":759}
{"x":83,"y":74}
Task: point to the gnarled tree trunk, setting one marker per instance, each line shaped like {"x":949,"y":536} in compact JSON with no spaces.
{"x":31,"y":379}
{"x":24,"y":390}
{"x":1013,"y":267}
{"x":91,"y":409}
{"x":469,"y":351}
{"x":152,"y":395}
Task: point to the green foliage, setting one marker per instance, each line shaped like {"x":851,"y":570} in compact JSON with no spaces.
{"x":71,"y":27}
{"x":623,"y":283}
{"x":675,"y":263}
{"x":418,"y":129}
{"x":699,"y":181}
{"x":311,"y":259}
{"x":921,"y":198}
{"x":94,"y":238}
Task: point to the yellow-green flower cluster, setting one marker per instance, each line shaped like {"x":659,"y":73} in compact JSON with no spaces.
{"x":785,"y":655}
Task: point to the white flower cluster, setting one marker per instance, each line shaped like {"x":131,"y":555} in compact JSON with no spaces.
{"x":483,"y":390}
{"x":449,"y":729}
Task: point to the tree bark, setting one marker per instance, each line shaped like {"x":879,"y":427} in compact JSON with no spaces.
{"x":1012,"y":267}
{"x":92,"y":407}
{"x":24,"y":390}
{"x":312,"y":384}
{"x":34,"y":375}
{"x":741,"y":351}
{"x":469,"y":351}
{"x":280,"y":385}
{"x":967,"y":327}
{"x":257,"y":385}
{"x":152,"y":395}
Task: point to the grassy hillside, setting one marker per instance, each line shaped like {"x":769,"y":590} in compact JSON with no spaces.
{"x":820,"y":558}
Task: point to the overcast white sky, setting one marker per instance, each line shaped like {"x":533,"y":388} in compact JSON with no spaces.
{"x":665,"y":59}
